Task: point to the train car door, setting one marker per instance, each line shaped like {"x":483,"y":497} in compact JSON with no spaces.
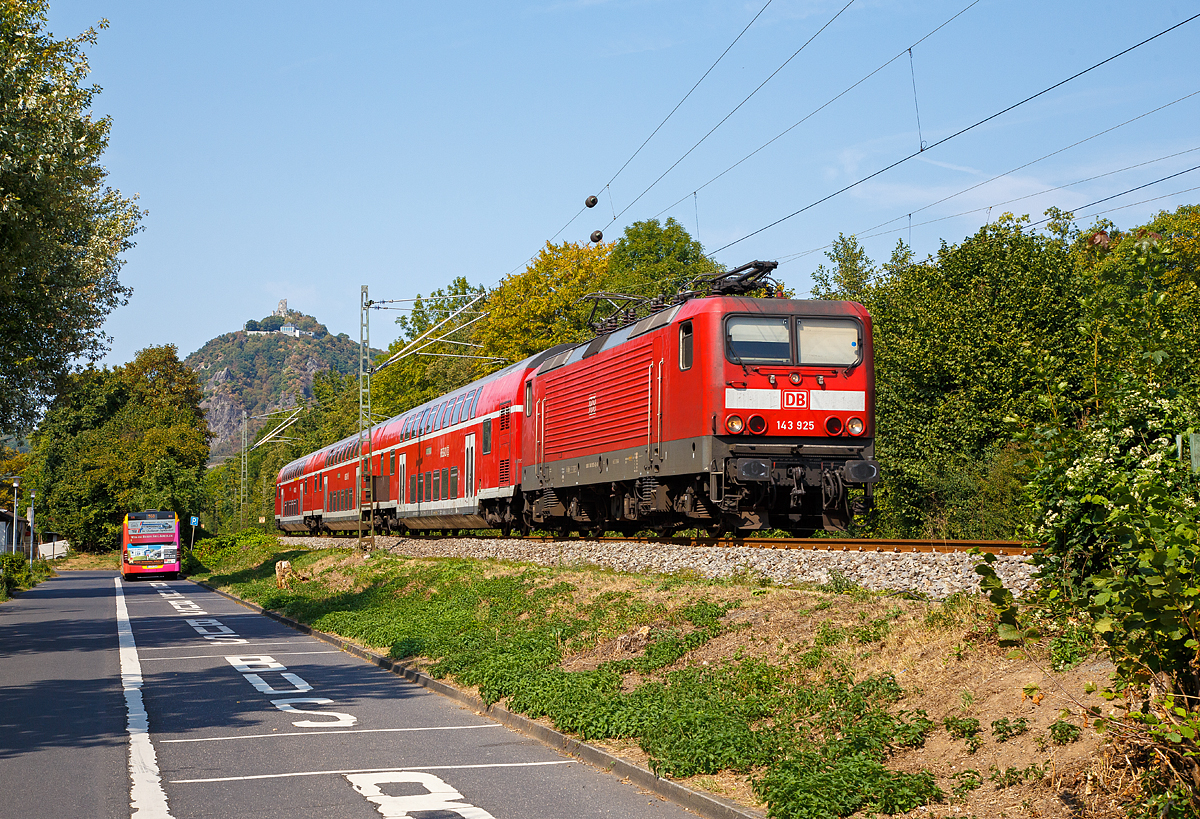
{"x":504,"y":450}
{"x":469,"y":466}
{"x":402,"y":475}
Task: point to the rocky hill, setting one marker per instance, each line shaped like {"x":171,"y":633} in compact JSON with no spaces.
{"x":260,"y":371}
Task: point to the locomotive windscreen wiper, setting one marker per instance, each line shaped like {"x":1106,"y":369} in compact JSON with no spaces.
{"x":737,"y":359}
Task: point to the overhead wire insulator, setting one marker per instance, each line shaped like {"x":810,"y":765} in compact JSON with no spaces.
{"x":591,"y":201}
{"x":597,"y":236}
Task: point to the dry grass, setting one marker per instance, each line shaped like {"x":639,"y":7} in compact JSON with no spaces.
{"x":87,"y":561}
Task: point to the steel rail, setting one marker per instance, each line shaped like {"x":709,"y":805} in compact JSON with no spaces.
{"x":821,"y":544}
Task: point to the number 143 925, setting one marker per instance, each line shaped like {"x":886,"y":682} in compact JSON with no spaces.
{"x":796,"y":426}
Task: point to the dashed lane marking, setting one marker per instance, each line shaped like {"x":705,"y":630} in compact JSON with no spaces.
{"x":267,"y":643}
{"x":348,"y":731}
{"x":147,"y":799}
{"x":372,"y":770}
{"x":221,"y":656}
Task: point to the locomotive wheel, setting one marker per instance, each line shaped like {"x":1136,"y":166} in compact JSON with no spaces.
{"x":506,"y":531}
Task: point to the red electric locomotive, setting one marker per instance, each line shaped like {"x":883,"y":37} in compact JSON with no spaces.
{"x":724,"y":413}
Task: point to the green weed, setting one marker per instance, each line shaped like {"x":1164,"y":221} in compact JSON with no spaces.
{"x":1064,"y":733}
{"x":1005,"y":729}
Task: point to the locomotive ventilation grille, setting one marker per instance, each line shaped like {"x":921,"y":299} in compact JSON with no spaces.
{"x":505,"y":472}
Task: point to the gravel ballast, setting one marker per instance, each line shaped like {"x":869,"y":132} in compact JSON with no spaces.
{"x":937,"y":575}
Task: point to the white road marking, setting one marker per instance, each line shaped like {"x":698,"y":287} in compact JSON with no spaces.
{"x":222,"y":656}
{"x":348,"y":731}
{"x":299,"y":686}
{"x":438,"y":796}
{"x":371,"y":770}
{"x":283,"y":643}
{"x":341,"y":720}
{"x":255,"y":662}
{"x":147,"y":799}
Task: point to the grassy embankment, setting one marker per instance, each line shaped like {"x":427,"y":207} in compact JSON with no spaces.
{"x":817,"y":702}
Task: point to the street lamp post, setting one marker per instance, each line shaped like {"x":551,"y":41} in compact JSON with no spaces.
{"x":32,"y":495}
{"x":16,"y":513}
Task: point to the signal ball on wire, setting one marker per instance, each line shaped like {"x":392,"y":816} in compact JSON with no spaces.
{"x":597,"y":236}
{"x":591,"y":201}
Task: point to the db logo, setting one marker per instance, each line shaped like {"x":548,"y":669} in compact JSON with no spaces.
{"x":795,"y":400}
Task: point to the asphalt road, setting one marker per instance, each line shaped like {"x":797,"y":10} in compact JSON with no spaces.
{"x":248,"y":718}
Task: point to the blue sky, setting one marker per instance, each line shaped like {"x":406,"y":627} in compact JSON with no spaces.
{"x":298,"y":149}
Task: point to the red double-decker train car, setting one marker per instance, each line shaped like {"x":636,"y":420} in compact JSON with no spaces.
{"x":726,"y":413}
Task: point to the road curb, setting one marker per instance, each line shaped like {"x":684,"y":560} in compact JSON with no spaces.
{"x":710,"y":807}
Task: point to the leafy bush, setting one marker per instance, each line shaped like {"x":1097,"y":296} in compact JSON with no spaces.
{"x":1064,"y":733}
{"x":1005,"y":729}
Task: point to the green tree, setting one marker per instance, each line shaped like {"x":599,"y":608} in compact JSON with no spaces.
{"x":62,"y":229}
{"x":540,"y":307}
{"x":129,"y":438}
{"x":652,"y":259}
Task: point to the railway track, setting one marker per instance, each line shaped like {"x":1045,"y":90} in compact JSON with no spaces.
{"x":892,"y":545}
{"x":816,"y":544}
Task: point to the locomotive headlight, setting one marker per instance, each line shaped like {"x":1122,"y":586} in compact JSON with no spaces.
{"x":734,"y":424}
{"x":794,"y":378}
{"x":855,"y":426}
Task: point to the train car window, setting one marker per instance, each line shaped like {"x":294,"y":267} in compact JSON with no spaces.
{"x":412,"y":488}
{"x":445,"y":483}
{"x":685,"y":345}
{"x":829,"y":341}
{"x":421,"y":486}
{"x":528,"y":398}
{"x":453,"y":483}
{"x":456,"y":413}
{"x":487,"y":436}
{"x":437,"y":485}
{"x":758,"y":340}
{"x":428,"y":487}
{"x":392,"y":466}
{"x":475,"y":400}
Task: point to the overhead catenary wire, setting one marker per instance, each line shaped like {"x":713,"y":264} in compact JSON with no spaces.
{"x":825,"y":105}
{"x":608,"y":184}
{"x":734,"y":111}
{"x":871,"y":235}
{"x":958,"y":133}
{"x":870,"y":231}
{"x":689,"y":93}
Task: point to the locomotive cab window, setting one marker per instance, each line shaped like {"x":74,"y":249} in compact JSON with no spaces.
{"x":758,"y":340}
{"x":685,"y":345}
{"x":829,"y":341}
{"x":528,"y":398}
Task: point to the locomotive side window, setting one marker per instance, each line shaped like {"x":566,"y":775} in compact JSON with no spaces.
{"x":487,"y":436}
{"x":758,"y":340}
{"x":685,"y":345}
{"x":528,"y":398}
{"x":829,"y":341}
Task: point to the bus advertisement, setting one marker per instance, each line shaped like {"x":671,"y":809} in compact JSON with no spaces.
{"x":150,"y":544}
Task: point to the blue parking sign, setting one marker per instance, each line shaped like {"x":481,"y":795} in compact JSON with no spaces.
{"x":195,"y":520}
